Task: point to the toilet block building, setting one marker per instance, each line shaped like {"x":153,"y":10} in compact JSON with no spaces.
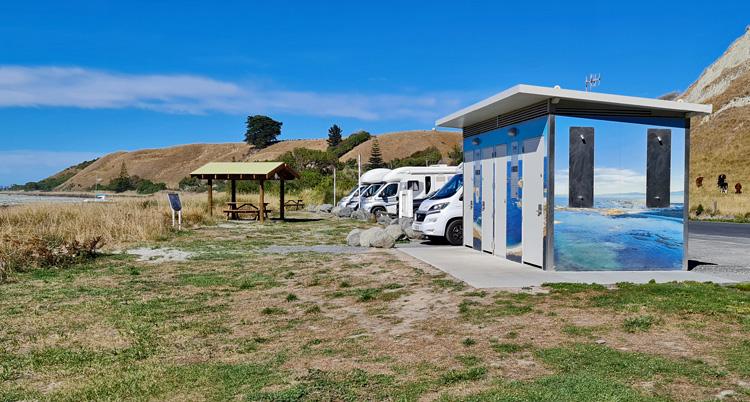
{"x":571,"y":180}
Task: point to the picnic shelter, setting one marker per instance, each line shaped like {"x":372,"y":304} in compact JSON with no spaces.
{"x":253,"y":171}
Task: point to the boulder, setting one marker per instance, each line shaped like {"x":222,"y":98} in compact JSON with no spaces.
{"x":405,"y":223}
{"x":376,"y":237}
{"x":324,"y":208}
{"x":366,"y":236}
{"x":384,"y":220}
{"x":382,"y":240}
{"x":395,"y":232}
{"x":343,"y":212}
{"x":352,"y":238}
{"x":335,"y":210}
{"x":360,"y":215}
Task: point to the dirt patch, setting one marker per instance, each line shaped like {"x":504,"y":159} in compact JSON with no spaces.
{"x":160,"y":255}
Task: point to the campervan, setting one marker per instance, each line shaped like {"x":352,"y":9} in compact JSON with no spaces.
{"x":421,"y":180}
{"x":441,"y":215}
{"x":371,"y":181}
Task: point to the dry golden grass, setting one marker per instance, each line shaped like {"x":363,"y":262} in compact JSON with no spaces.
{"x":172,"y":164}
{"x":125,"y":220}
{"x":404,"y":143}
{"x":166,"y":165}
{"x":727,"y":206}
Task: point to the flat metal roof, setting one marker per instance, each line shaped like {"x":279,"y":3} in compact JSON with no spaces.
{"x":245,"y":171}
{"x":523,"y":95}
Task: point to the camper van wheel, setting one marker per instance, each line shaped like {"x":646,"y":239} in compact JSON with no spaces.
{"x":454,"y":232}
{"x":378,"y":212}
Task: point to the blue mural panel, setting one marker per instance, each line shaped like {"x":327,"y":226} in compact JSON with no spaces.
{"x":620,"y":232}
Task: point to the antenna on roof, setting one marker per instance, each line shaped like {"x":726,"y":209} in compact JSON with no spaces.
{"x":592,"y":80}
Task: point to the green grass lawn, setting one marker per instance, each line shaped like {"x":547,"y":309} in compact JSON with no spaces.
{"x":235,"y":322}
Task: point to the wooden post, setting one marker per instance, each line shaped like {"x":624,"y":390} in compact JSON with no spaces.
{"x":210,"y":197}
{"x":262,"y":202}
{"x":281,"y":199}
{"x":234,"y":196}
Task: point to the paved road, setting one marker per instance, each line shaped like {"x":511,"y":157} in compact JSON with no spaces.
{"x":720,"y":248}
{"x":740,"y":230}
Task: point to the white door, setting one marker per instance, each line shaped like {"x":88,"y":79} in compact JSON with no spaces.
{"x":533,"y":203}
{"x":501,"y":187}
{"x":468,"y":198}
{"x":488,"y":185}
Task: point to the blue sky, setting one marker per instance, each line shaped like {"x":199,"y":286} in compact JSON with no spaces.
{"x":80,"y":79}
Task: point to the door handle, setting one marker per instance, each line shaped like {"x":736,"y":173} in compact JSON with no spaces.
{"x":539,"y":210}
{"x":471,"y":204}
{"x":482,"y":205}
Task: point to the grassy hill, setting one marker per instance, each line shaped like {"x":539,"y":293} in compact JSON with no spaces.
{"x":170,"y":165}
{"x":399,"y":145}
{"x":720,"y":142}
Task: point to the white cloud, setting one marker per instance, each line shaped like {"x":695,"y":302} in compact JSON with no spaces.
{"x":21,"y":166}
{"x":50,"y":86}
{"x":606,"y":181}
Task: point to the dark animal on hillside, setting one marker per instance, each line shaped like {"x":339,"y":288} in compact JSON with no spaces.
{"x":722,"y":183}
{"x":699,"y":181}
{"x":738,"y":188}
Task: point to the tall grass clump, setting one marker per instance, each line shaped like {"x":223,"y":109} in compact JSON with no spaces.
{"x":57,"y":235}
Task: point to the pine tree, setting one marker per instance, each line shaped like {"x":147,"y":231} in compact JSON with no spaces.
{"x":334,"y":136}
{"x":123,"y":171}
{"x":376,"y":157}
{"x":122,"y":182}
{"x":262,"y":131}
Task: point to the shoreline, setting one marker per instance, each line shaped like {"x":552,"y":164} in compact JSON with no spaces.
{"x":73,"y":194}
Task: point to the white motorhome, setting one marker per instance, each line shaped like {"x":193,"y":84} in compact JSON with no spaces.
{"x":421,"y":180}
{"x":441,"y":215}
{"x":371,"y":181}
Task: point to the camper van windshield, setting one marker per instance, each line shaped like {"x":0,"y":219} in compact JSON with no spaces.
{"x":371,"y":190}
{"x":449,"y":188}
{"x":355,"y":191}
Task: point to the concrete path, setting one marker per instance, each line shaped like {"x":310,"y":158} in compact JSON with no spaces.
{"x":481,"y":270}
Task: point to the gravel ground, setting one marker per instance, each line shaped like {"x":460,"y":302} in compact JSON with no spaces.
{"x":324,"y":249}
{"x":739,"y":274}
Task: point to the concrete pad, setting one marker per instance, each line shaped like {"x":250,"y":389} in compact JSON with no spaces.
{"x":481,"y":270}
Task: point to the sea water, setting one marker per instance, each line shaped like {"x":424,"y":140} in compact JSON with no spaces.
{"x":20,"y":199}
{"x":619,"y":235}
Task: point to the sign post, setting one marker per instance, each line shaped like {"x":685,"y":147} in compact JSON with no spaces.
{"x":176,"y":206}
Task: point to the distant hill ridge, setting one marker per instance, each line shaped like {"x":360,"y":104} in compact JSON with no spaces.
{"x":170,"y":165}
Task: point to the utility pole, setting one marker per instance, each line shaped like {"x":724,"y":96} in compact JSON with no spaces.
{"x":334,"y":185}
{"x":359,"y":179}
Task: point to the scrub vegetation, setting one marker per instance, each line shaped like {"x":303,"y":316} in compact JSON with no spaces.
{"x":238,"y":321}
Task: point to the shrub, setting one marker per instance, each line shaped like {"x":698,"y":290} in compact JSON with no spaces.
{"x":699,"y":210}
{"x":349,"y":143}
{"x":430,"y":155}
{"x":25,"y":253}
{"x":148,"y":187}
{"x":191,"y":184}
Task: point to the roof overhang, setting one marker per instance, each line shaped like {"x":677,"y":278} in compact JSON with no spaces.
{"x":521,"y":96}
{"x":245,"y":171}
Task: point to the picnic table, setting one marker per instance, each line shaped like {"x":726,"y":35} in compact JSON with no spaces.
{"x":296,"y":204}
{"x":236,"y":209}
